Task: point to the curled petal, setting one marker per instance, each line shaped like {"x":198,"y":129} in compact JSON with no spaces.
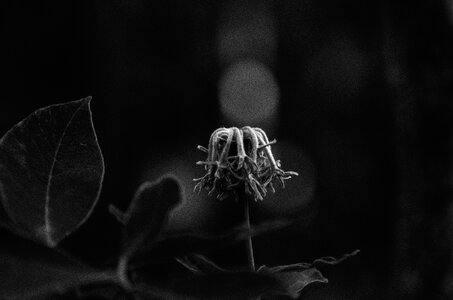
{"x":253,"y":166}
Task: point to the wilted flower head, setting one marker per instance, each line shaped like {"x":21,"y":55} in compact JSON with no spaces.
{"x":240,"y":159}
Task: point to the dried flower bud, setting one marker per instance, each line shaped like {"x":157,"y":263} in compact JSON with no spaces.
{"x":240,"y":159}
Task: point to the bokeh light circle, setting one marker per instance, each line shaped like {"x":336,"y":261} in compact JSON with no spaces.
{"x":248,"y":93}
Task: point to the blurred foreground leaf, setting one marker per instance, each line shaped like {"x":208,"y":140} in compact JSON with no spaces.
{"x":147,"y":217}
{"x":29,"y":270}
{"x":148,"y":212}
{"x":51,"y":171}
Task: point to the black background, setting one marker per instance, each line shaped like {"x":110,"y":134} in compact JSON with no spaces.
{"x":366,"y":91}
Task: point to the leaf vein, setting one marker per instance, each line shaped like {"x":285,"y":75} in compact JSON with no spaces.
{"x":47,"y":225}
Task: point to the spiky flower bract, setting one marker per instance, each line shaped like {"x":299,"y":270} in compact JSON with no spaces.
{"x":240,"y":159}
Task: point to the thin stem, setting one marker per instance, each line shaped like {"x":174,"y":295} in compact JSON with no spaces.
{"x":122,"y":272}
{"x":249,"y":244}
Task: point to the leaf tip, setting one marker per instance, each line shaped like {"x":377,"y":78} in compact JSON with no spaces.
{"x":80,"y":102}
{"x":87,"y":99}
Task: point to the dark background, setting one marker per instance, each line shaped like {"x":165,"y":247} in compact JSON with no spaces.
{"x":365,"y":116}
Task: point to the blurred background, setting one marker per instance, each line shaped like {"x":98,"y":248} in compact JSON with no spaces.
{"x":358,"y":95}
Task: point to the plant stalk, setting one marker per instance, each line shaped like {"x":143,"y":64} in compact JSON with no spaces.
{"x":249,"y":243}
{"x":122,"y":273}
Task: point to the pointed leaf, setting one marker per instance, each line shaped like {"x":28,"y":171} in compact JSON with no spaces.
{"x":51,"y":170}
{"x":295,"y":281}
{"x":229,"y":285}
{"x":296,"y":277}
{"x":29,"y":270}
{"x":148,"y":212}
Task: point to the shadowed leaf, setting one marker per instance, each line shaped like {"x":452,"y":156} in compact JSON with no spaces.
{"x":51,"y":171}
{"x":295,"y":280}
{"x":229,"y":285}
{"x":147,"y":215}
{"x":29,"y":270}
{"x":296,"y":277}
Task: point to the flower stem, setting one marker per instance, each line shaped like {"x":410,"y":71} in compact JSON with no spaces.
{"x":122,"y":273}
{"x":249,"y":244}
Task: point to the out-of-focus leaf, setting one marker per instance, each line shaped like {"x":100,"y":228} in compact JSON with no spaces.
{"x":51,"y":171}
{"x":117,"y":213}
{"x":147,"y":215}
{"x":296,"y":277}
{"x":229,"y":285}
{"x":25,"y":279}
{"x":29,"y":270}
{"x":199,"y":264}
{"x":180,"y":243}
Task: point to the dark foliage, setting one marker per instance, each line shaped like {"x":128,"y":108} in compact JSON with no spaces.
{"x":52,"y":171}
